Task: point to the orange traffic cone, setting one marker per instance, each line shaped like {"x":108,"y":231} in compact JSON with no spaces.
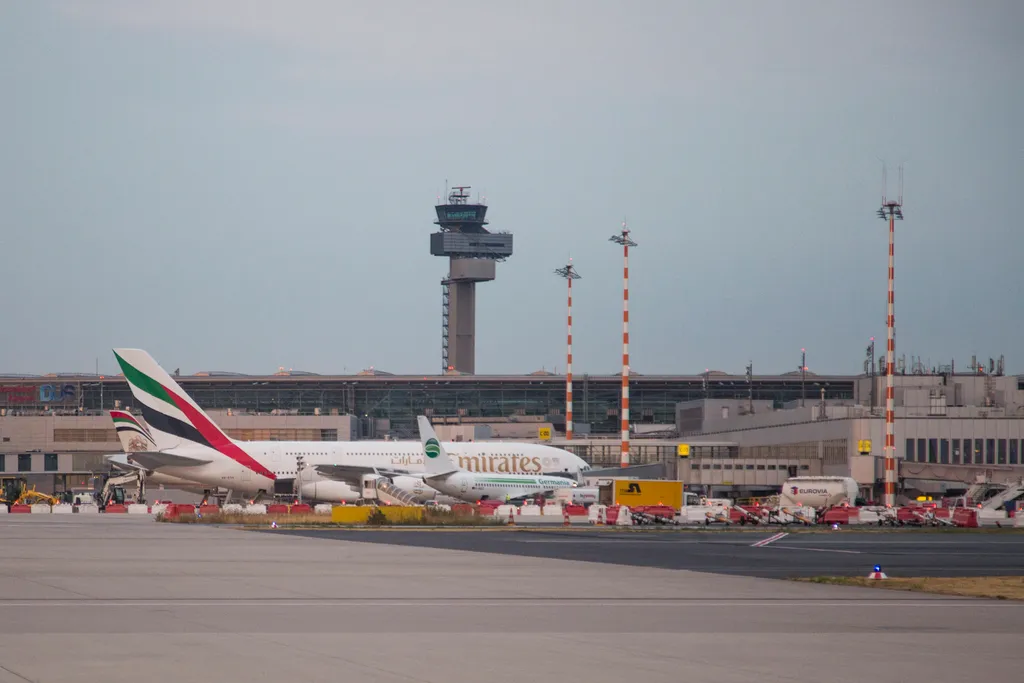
{"x":565,"y":516}
{"x":511,"y":516}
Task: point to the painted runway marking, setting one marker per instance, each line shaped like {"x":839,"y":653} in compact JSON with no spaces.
{"x":771,"y":539}
{"x":819,"y":550}
{"x":937,"y":601}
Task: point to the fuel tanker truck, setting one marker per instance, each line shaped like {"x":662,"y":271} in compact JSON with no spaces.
{"x":818,"y":492}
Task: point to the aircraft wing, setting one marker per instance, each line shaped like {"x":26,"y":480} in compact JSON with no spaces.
{"x":353,"y":474}
{"x":152,"y":460}
{"x":120,"y":461}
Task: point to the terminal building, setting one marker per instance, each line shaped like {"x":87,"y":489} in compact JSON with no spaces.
{"x":744,"y":435}
{"x":951,"y":431}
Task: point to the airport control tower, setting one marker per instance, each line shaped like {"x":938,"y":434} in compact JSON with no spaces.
{"x":472,"y":253}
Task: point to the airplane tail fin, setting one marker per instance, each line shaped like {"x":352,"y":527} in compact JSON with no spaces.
{"x":174,"y":419}
{"x":134,"y":436}
{"x":167,"y":409}
{"x":436,"y":461}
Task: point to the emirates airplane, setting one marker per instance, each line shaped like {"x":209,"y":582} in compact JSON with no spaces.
{"x":190,"y":446}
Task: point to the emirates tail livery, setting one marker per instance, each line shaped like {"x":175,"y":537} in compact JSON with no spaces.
{"x":135,"y":437}
{"x":188,"y":445}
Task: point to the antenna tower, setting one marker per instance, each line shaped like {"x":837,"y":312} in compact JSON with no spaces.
{"x":893,"y":211}
{"x":570,"y":274}
{"x":624,"y":239}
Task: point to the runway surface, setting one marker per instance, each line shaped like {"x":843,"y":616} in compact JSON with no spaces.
{"x":842,"y":553}
{"x":120,"y":600}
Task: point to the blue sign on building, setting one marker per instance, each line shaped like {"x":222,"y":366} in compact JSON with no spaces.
{"x":55,"y":393}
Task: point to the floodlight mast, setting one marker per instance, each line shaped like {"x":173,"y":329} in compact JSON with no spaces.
{"x":893,"y":211}
{"x":626,"y":241}
{"x":569,"y":273}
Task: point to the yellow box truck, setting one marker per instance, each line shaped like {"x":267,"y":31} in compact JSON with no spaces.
{"x":637,"y":492}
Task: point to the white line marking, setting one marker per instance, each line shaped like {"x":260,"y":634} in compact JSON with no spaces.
{"x":771,"y":539}
{"x":819,"y":550}
{"x":938,"y":601}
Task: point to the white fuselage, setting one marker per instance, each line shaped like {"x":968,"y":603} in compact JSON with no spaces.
{"x":473,"y":486}
{"x":280,"y":457}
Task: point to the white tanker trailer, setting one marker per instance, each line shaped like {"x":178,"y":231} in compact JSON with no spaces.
{"x":817,"y":492}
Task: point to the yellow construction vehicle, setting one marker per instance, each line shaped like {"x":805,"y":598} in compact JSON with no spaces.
{"x":32,"y":496}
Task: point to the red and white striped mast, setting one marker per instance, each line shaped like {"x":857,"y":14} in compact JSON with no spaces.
{"x":624,"y":239}
{"x":570,"y":274}
{"x":893,"y":211}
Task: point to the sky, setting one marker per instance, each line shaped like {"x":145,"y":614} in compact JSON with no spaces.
{"x":246,"y":185}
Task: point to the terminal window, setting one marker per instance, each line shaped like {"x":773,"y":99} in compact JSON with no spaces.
{"x":24,"y":462}
{"x":956,"y":451}
{"x":909,"y":455}
{"x":944,"y":451}
{"x":1002,"y":452}
{"x":50,"y":462}
{"x":990,"y":451}
{"x":979,"y":456}
{"x":3,"y":462}
{"x":1013,"y":451}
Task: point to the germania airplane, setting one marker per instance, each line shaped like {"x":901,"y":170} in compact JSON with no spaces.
{"x":442,"y":474}
{"x":190,"y":446}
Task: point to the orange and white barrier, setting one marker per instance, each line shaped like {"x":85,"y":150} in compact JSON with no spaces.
{"x":88,"y":509}
{"x":255,"y":509}
{"x":158,"y":509}
{"x":138,"y":509}
{"x":40,"y":508}
{"x":63,"y":509}
{"x":320,"y":509}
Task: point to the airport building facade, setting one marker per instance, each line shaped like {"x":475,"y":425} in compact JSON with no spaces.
{"x":951,"y":431}
{"x":745,"y":435}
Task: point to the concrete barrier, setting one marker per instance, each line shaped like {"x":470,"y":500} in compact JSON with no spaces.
{"x":321,"y":509}
{"x":88,"y":509}
{"x":63,"y":509}
{"x":1018,"y":521}
{"x":624,"y":518}
{"x":158,"y":509}
{"x":396,"y":513}
{"x":256,"y":509}
{"x":3,"y":510}
{"x":350,"y":514}
{"x":993,"y":518}
{"x":138,"y":509}
{"x":40,"y":508}
{"x":232,"y":509}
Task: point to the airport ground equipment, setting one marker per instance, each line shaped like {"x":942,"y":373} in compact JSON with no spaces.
{"x":818,"y":492}
{"x":112,"y":491}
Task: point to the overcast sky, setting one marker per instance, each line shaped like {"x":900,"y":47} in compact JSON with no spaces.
{"x":247,"y":184}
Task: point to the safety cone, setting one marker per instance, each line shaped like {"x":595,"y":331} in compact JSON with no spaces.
{"x":565,"y":516}
{"x":511,"y":516}
{"x":878,"y":573}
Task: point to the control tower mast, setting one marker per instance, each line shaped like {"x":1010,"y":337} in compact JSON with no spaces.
{"x":473,"y":252}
